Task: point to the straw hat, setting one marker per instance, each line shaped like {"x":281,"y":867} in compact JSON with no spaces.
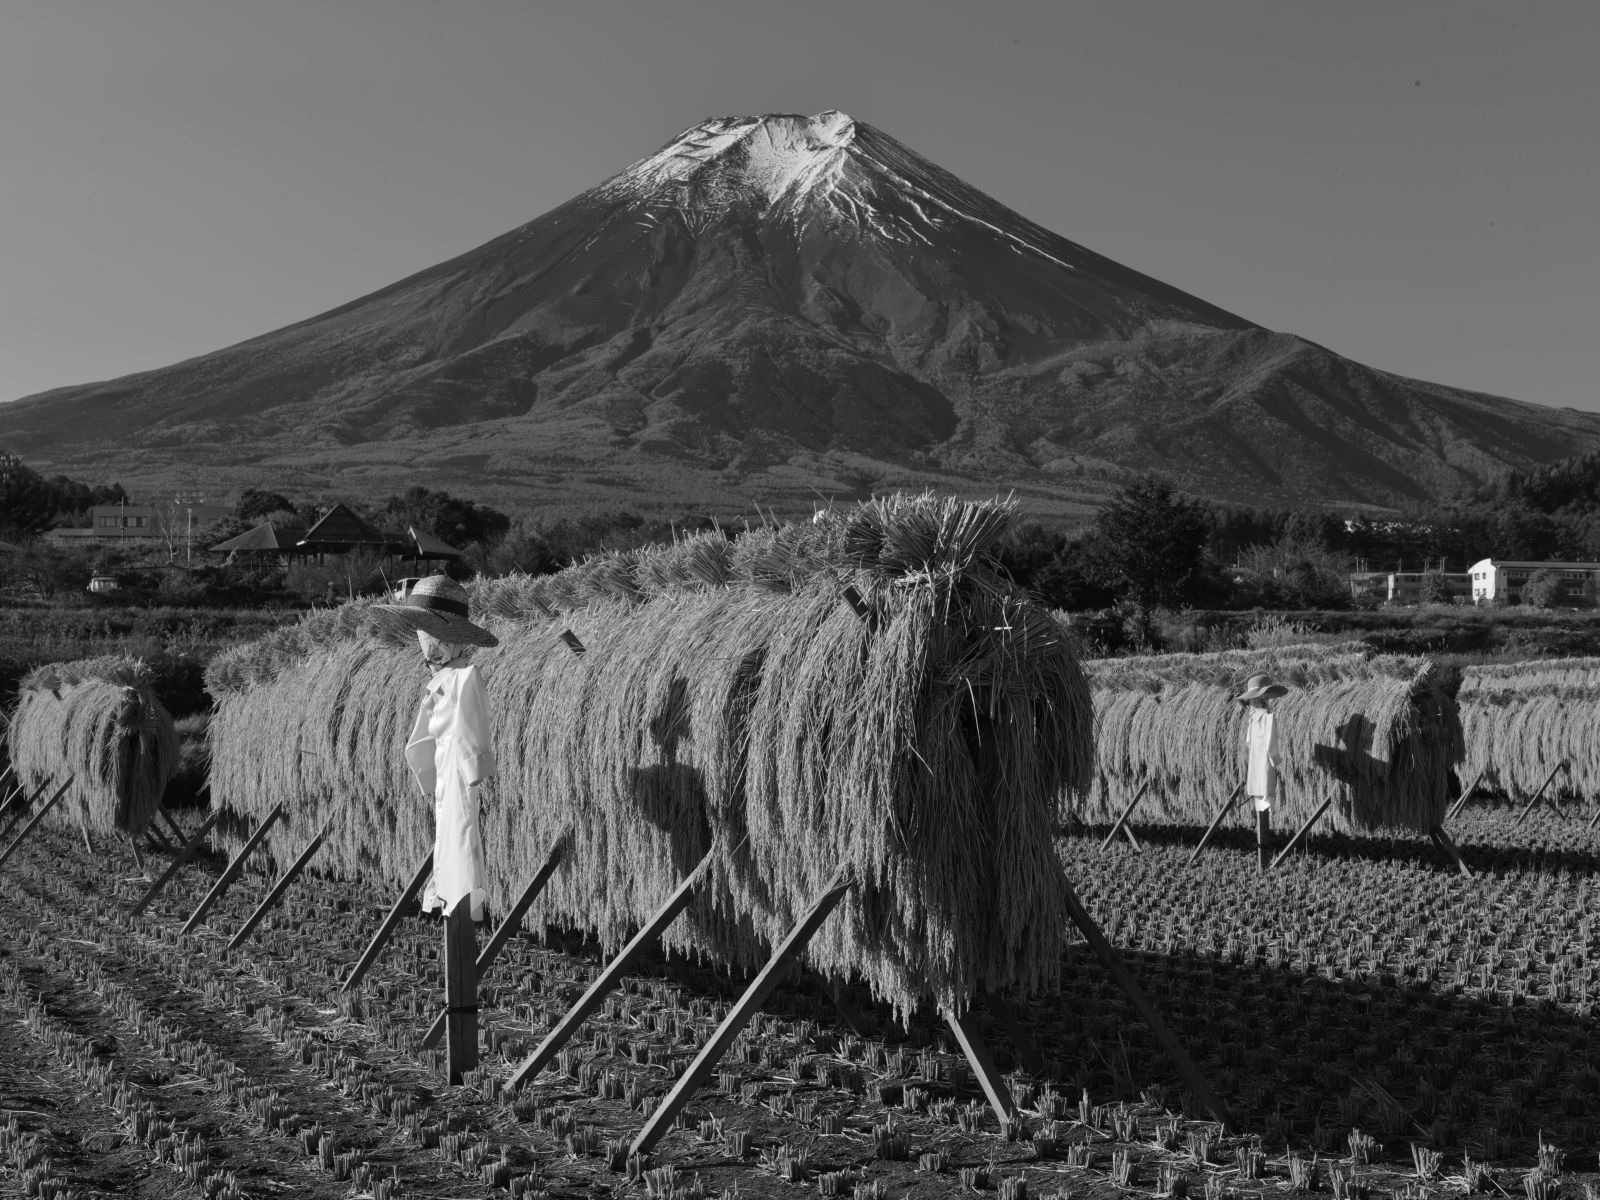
{"x":1259,"y":687}
{"x":437,"y":605}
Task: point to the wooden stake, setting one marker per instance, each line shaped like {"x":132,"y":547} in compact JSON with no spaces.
{"x":1302,"y":831}
{"x":1263,"y":832}
{"x":19,"y":804}
{"x":1594,"y":819}
{"x":1227,"y":807}
{"x":279,"y":888}
{"x":37,"y":817}
{"x":225,"y":880}
{"x":1027,"y":1053}
{"x":739,"y":1016}
{"x":1465,"y":796}
{"x":1442,"y":840}
{"x":1115,"y":829}
{"x":610,"y":977}
{"x":1141,"y":1004}
{"x":181,"y":857}
{"x":391,"y":922}
{"x":849,"y":1015}
{"x":993,"y":1083}
{"x":16,"y":798}
{"x":503,"y":934}
{"x":460,"y":990}
{"x":1524,"y":815}
{"x":178,"y":837}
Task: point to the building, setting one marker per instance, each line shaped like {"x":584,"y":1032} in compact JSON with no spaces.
{"x":1408,"y":587}
{"x":1500,"y":581}
{"x":116,"y":522}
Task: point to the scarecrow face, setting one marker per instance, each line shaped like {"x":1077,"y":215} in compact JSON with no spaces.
{"x":437,"y":653}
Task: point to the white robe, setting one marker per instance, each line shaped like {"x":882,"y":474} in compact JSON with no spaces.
{"x":450,"y":752}
{"x":1261,"y":744}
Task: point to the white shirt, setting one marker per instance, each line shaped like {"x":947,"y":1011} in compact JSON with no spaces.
{"x":451,"y":751}
{"x":1261,"y":745}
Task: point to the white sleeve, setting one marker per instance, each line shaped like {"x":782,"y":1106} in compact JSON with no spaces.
{"x":474,"y":735}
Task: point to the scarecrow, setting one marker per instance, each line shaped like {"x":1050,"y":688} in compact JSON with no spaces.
{"x":451,"y":753}
{"x":1262,"y":756}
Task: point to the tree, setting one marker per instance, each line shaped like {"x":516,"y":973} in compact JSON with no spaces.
{"x":458,"y":522}
{"x":254,"y":504}
{"x":1148,"y":545}
{"x":1543,"y":590}
{"x":30,"y":503}
{"x":1435,"y":588}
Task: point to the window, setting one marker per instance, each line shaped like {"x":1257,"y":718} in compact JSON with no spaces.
{"x":106,"y":522}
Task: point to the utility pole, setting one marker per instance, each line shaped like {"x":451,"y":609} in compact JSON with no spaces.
{"x":187,"y":501}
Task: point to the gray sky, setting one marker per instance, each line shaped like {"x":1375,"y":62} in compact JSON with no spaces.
{"x":1413,"y":185}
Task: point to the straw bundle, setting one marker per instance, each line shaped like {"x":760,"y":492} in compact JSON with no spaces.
{"x":1381,"y":733}
{"x":731,"y":700}
{"x":1522,"y":720}
{"x":98,"y":721}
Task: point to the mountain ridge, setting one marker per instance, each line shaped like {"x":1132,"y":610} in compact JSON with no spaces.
{"x":778,"y":310}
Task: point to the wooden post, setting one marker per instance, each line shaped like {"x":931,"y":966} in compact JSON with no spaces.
{"x":739,"y":1016}
{"x":19,"y":804}
{"x":181,"y":857}
{"x":1594,"y":819}
{"x":849,"y":1014}
{"x":225,"y":880}
{"x":1117,"y":828}
{"x":1302,"y":831}
{"x":16,"y":798}
{"x":37,"y":817}
{"x":1466,"y":795}
{"x":460,"y":990}
{"x":1227,"y":807}
{"x":1263,"y":833}
{"x":391,"y":922}
{"x":1442,"y":840}
{"x":1523,"y":816}
{"x":610,"y":977}
{"x":1141,"y":1004}
{"x":993,"y":1083}
{"x":503,"y":934}
{"x":279,"y":888}
{"x":177,"y":831}
{"x":1027,"y":1053}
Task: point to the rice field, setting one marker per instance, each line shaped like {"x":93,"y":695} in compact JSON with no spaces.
{"x":1381,"y":1026}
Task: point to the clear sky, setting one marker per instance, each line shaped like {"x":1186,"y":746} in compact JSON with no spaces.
{"x":1411,"y":184}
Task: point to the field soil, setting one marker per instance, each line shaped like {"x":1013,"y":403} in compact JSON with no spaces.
{"x":1365,"y":990}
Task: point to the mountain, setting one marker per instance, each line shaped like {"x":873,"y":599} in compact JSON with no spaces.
{"x":776,"y":309}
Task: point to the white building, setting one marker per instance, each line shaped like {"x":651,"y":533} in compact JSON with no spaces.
{"x":1499,"y":579}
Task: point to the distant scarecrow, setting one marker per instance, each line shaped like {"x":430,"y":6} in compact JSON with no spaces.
{"x":1264,"y":762}
{"x":450,"y":749}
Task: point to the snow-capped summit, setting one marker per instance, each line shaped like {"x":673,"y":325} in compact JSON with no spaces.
{"x":776,"y":307}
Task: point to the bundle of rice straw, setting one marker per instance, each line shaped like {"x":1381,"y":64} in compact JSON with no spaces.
{"x":730,"y":697}
{"x":1380,"y":732}
{"x":98,"y":721}
{"x":1522,"y":720}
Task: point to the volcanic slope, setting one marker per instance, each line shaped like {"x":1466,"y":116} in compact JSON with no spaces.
{"x":779,"y":308}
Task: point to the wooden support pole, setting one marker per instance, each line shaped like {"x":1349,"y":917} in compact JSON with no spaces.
{"x":849,"y":1015}
{"x":503,"y":934}
{"x":1442,"y":840}
{"x":391,"y":922}
{"x":739,"y":1016}
{"x":181,"y":857}
{"x":1027,"y":1052}
{"x":17,"y":809}
{"x":178,"y":837}
{"x":1523,"y":816}
{"x":1594,"y":819}
{"x":1216,"y":821}
{"x":610,"y":977}
{"x":158,"y":840}
{"x":1466,"y":794}
{"x":989,"y":1078}
{"x":37,"y":817}
{"x":234,"y":869}
{"x":1263,"y":833}
{"x":460,"y":991}
{"x":16,"y":798}
{"x":1300,"y":833}
{"x":1117,"y":828}
{"x":1141,"y":1004}
{"x":278,"y":889}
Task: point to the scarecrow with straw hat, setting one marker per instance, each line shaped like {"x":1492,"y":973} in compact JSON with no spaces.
{"x":450,"y":750}
{"x":1263,"y":760}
